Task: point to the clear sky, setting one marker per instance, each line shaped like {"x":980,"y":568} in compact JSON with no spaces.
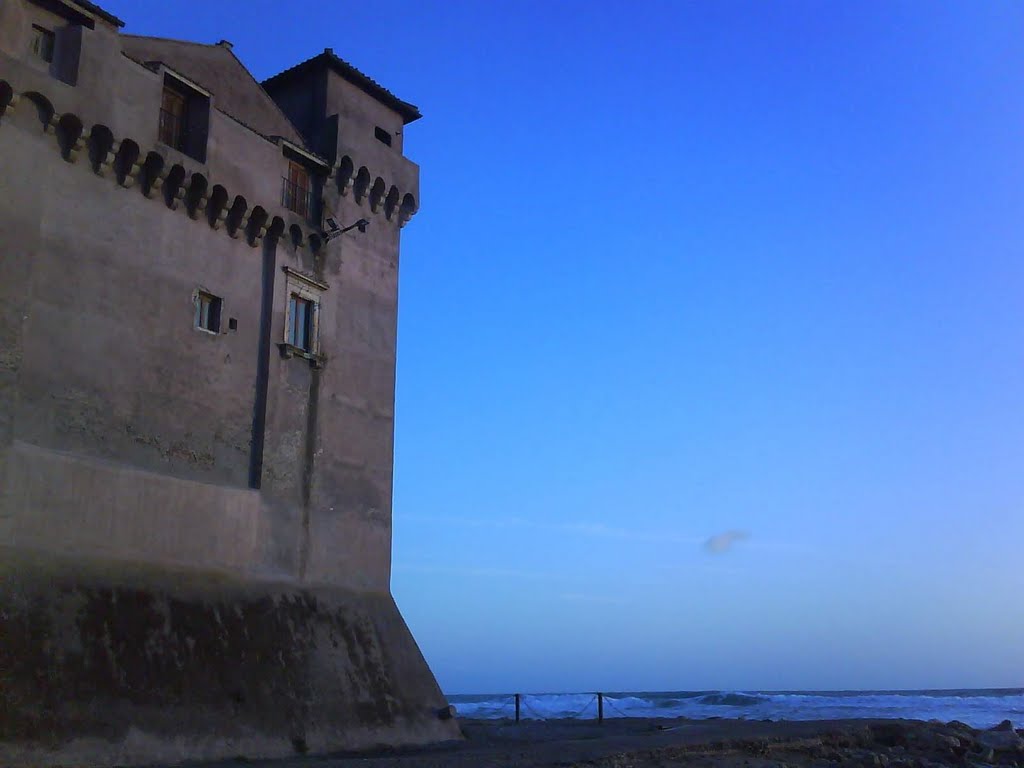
{"x":686,"y":268}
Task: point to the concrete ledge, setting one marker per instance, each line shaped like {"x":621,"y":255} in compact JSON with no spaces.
{"x":64,"y":503}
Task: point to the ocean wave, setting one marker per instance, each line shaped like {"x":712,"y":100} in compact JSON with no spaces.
{"x":732,"y":699}
{"x":981,"y":709}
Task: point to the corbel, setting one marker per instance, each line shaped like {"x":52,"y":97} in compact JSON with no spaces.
{"x":132,"y":176}
{"x":106,"y":162}
{"x":242,"y":226}
{"x":200,"y":205}
{"x":222,"y":216}
{"x":76,"y":149}
{"x":15,"y":98}
{"x":157,"y":182}
{"x":258,"y":236}
{"x":178,"y":194}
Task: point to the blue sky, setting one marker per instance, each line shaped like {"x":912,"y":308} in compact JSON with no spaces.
{"x":684,"y":268}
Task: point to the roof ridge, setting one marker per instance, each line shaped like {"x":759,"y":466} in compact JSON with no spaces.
{"x":94,"y":9}
{"x":268,"y":102}
{"x":409,"y":112}
{"x":240,"y":121}
{"x":268,"y":97}
{"x":170,"y":40}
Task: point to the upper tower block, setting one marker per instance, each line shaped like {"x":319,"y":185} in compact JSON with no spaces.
{"x":332,"y":103}
{"x":337,"y":108}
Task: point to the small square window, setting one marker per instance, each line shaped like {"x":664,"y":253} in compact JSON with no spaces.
{"x":208,"y":309}
{"x":42,"y":43}
{"x":301,"y":322}
{"x":382,"y":136}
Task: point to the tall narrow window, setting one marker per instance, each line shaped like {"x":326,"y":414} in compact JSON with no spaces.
{"x":208,"y":311}
{"x":302,"y":321}
{"x":172,"y":118}
{"x":301,"y":327}
{"x":184,"y":116}
{"x":295,"y":196}
{"x":42,"y":43}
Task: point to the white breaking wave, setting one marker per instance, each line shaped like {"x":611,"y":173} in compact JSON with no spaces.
{"x":978,"y":708}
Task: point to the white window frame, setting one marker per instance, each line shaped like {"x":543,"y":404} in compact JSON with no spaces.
{"x":309,"y":289}
{"x":197,"y":299}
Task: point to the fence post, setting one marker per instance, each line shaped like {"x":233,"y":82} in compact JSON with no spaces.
{"x":600,"y":707}
{"x":517,"y":707}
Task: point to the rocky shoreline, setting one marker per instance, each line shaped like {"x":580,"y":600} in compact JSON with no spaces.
{"x":668,"y":743}
{"x":880,"y":744}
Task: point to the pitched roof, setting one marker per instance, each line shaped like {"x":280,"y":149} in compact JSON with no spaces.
{"x":217,"y":69}
{"x":328,"y":58}
{"x":95,"y":10}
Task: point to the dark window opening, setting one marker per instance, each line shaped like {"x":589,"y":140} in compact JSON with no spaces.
{"x":208,"y":309}
{"x":173,"y":113}
{"x":382,"y":135}
{"x":184,"y":118}
{"x":232,"y":324}
{"x":295,"y":195}
{"x":43,"y":41}
{"x":300,"y":322}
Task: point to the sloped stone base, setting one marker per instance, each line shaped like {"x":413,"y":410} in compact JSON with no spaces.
{"x":104,"y":663}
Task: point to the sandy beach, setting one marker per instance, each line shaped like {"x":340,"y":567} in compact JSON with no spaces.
{"x":661,"y":743}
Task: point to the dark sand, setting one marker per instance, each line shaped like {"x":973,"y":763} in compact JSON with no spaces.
{"x":648,"y":743}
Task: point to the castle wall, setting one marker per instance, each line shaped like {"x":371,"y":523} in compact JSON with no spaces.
{"x":210,"y":498}
{"x":112,"y":366}
{"x":105,"y":362}
{"x":358,"y":115}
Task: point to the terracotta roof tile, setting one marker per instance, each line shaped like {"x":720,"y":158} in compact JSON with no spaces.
{"x":408,"y":111}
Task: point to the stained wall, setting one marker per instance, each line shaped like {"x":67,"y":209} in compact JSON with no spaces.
{"x":220,"y":470}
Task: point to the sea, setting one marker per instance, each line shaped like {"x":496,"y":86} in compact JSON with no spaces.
{"x":980,"y":708}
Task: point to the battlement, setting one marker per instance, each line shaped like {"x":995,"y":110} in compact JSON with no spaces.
{"x":187,"y":123}
{"x":179,"y":187}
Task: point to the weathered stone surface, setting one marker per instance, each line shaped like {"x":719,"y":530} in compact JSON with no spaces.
{"x":195,"y":531}
{"x":1000,"y":740}
{"x":105,"y":665}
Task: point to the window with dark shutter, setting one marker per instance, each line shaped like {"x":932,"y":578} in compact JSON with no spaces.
{"x":172,"y":118}
{"x":43,"y":43}
{"x":184,"y":117}
{"x":296,"y":194}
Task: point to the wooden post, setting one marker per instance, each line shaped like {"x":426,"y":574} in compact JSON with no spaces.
{"x":517,"y":707}
{"x":600,"y":707}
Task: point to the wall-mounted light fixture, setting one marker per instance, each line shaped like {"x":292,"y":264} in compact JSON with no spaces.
{"x":333,"y":230}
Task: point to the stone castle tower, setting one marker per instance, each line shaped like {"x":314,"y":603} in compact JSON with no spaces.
{"x":198,"y":295}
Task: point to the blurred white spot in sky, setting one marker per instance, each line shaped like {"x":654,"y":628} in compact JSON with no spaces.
{"x":723,"y":542}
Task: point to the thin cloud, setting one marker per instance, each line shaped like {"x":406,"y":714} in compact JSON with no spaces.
{"x":455,"y":570}
{"x":591,"y":529}
{"x":723,"y":542}
{"x":580,"y":597}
